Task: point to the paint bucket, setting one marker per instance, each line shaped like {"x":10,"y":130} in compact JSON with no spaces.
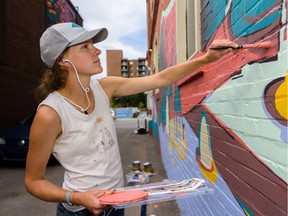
{"x":148,"y":167}
{"x":136,"y":166}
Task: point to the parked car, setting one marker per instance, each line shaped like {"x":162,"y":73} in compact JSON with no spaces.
{"x":14,"y":141}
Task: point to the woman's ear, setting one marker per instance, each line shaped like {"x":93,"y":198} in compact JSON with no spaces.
{"x":62,"y":62}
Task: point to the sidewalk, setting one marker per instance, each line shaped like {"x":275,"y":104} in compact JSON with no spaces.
{"x":144,"y":148}
{"x":17,"y":202}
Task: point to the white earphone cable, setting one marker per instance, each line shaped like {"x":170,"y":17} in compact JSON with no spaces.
{"x":86,"y":90}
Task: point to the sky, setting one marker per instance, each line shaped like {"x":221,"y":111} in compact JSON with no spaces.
{"x":126,"y":23}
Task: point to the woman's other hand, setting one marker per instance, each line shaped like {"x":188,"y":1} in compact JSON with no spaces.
{"x":90,"y":200}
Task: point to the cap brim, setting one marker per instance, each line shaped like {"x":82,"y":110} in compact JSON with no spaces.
{"x":97,"y":35}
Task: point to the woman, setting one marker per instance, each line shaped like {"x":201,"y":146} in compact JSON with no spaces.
{"x":74,"y":122}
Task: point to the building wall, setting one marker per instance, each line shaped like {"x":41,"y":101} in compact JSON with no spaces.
{"x":113,"y":59}
{"x":19,"y":72}
{"x":20,"y":63}
{"x":133,"y":67}
{"x":119,"y":66}
{"x":226,"y":123}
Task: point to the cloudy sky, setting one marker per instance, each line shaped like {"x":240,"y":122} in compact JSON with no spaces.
{"x":125,"y":21}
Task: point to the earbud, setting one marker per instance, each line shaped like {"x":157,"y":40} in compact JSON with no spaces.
{"x":64,"y":60}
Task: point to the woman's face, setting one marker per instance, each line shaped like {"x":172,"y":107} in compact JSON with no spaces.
{"x":85,"y":58}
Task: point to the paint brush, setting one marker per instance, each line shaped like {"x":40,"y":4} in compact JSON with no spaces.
{"x":264,"y":45}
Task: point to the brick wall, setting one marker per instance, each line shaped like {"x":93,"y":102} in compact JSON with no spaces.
{"x":21,"y":67}
{"x":24,"y":24}
{"x":228,"y":123}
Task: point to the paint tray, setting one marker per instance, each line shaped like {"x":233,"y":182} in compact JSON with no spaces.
{"x":167,"y":191}
{"x":136,"y":178}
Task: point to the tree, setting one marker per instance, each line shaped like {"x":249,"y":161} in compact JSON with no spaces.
{"x":137,"y":100}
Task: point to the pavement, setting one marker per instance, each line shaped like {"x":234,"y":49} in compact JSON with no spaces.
{"x":15,"y":201}
{"x":143,"y":148}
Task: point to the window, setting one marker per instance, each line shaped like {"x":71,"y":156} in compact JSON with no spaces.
{"x":193,"y":27}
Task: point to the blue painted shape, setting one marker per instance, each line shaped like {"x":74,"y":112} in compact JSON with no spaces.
{"x":246,"y":16}
{"x":177,"y":101}
{"x":213,"y":14}
{"x":220,"y":203}
{"x":245,"y":208}
{"x":74,"y":25}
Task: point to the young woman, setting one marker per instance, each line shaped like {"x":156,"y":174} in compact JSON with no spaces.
{"x":74,"y":122}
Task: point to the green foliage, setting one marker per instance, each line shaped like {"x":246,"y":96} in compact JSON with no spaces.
{"x":137,"y":100}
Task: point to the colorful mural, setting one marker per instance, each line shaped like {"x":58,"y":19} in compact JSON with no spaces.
{"x":227,"y":123}
{"x":58,"y":11}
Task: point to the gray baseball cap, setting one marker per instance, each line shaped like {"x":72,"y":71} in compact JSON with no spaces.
{"x":60,"y":36}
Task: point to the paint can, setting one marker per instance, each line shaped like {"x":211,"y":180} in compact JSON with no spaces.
{"x":136,"y":166}
{"x":148,"y":167}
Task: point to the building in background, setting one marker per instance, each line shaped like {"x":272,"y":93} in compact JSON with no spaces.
{"x":227,"y":122}
{"x":123,"y":67}
{"x":119,"y":66}
{"x":113,"y":62}
{"x":21,"y":25}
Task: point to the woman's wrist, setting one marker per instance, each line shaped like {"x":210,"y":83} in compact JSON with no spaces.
{"x":68,"y":198}
{"x":206,"y":59}
{"x":71,"y":198}
{"x":201,"y":61}
{"x":74,"y":198}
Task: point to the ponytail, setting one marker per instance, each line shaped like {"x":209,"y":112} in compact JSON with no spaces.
{"x":52,"y":80}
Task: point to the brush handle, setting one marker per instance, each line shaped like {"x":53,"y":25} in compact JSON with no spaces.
{"x":265,"y":45}
{"x":225,"y":47}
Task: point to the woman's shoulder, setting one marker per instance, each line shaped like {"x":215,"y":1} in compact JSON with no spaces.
{"x":108,"y":80}
{"x":110,"y":84}
{"x":104,"y":84}
{"x":47,"y":114}
{"x":53,"y":100}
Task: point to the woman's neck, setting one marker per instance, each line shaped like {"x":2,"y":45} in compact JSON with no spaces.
{"x":81,"y":100}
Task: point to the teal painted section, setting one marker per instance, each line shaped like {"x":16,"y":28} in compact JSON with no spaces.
{"x":250,"y":16}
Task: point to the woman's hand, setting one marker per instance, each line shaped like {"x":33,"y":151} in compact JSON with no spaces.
{"x":215,"y":54}
{"x":90,"y":200}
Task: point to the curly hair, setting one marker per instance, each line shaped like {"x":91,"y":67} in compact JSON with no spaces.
{"x":52,"y":80}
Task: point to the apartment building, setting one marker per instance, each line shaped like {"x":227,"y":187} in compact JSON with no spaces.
{"x":113,"y":62}
{"x":119,"y":66}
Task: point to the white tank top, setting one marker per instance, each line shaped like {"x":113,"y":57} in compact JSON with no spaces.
{"x":88,"y":147}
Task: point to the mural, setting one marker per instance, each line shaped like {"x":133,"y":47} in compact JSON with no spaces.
{"x":58,"y":11}
{"x":227,"y":123}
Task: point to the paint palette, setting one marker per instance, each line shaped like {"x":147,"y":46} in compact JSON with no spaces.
{"x":166,"y":191}
{"x":122,"y":197}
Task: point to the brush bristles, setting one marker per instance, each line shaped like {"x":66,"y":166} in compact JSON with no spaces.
{"x":265,"y":45}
